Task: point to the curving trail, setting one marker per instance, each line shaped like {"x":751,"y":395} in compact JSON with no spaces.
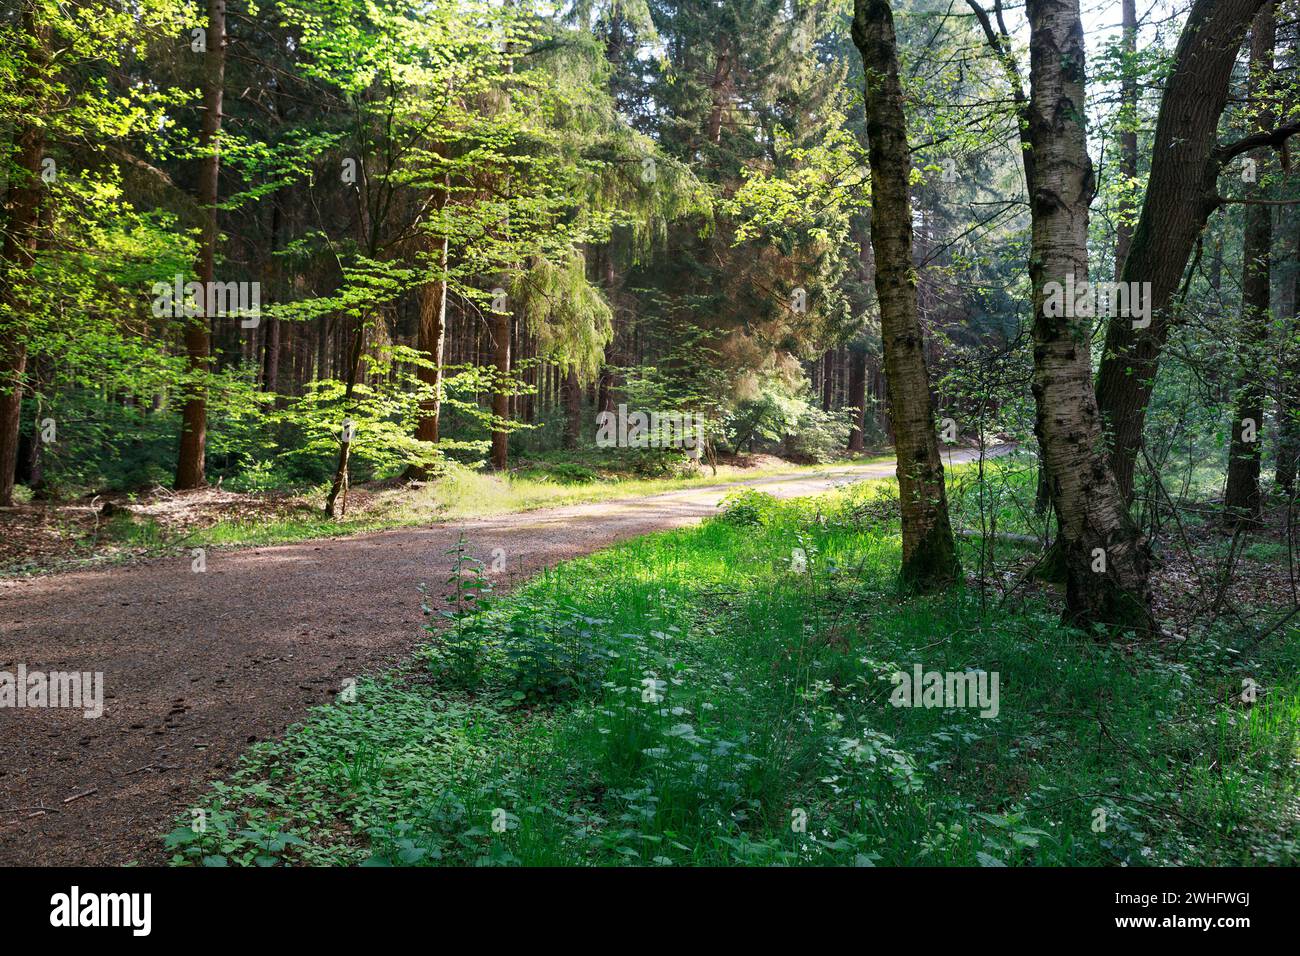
{"x":199,"y":665}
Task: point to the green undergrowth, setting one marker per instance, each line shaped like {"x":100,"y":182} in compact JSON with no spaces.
{"x":722,"y":695}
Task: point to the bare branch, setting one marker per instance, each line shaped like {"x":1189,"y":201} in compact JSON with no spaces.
{"x":1274,"y":138}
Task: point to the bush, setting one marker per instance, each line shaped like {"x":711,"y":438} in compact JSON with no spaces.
{"x":747,"y":507}
{"x":459,"y":652}
{"x":791,"y":424}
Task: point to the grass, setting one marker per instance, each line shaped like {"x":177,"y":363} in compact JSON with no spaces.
{"x":722,"y":695}
{"x":128,"y":531}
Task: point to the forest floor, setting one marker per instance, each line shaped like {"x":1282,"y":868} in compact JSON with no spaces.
{"x":199,"y":666}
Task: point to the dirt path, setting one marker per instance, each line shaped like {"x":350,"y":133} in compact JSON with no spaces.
{"x":197,"y":666}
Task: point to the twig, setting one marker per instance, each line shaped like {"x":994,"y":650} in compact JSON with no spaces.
{"x":152,"y":766}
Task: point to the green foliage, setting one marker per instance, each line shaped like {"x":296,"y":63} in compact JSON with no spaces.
{"x":553,"y":653}
{"x":572,"y":473}
{"x":818,"y":436}
{"x":459,"y":651}
{"x":212,"y":842}
{"x":747,"y":507}
{"x":788,"y":421}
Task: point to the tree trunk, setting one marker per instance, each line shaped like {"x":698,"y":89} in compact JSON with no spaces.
{"x":340,"y":483}
{"x":501,"y":393}
{"x":857,"y":397}
{"x":828,"y":379}
{"x":1105,"y":557}
{"x":1181,"y":194}
{"x":271,"y":371}
{"x":323,"y":337}
{"x":1288,"y":407}
{"x":17,"y":259}
{"x":608,"y":378}
{"x":929,"y":555}
{"x":572,"y":409}
{"x":531,"y":379}
{"x":1242,"y":504}
{"x":718,"y":90}
{"x":1128,"y":139}
{"x":194,"y":417}
{"x":431,"y":337}
{"x":36,"y":459}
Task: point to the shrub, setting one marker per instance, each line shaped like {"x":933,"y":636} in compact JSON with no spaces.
{"x":747,"y":507}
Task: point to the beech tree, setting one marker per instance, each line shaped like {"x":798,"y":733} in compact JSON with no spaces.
{"x":18,"y":252}
{"x":69,"y":104}
{"x":929,"y":556}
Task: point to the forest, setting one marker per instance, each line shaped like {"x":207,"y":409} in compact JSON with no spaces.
{"x":650,"y":433}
